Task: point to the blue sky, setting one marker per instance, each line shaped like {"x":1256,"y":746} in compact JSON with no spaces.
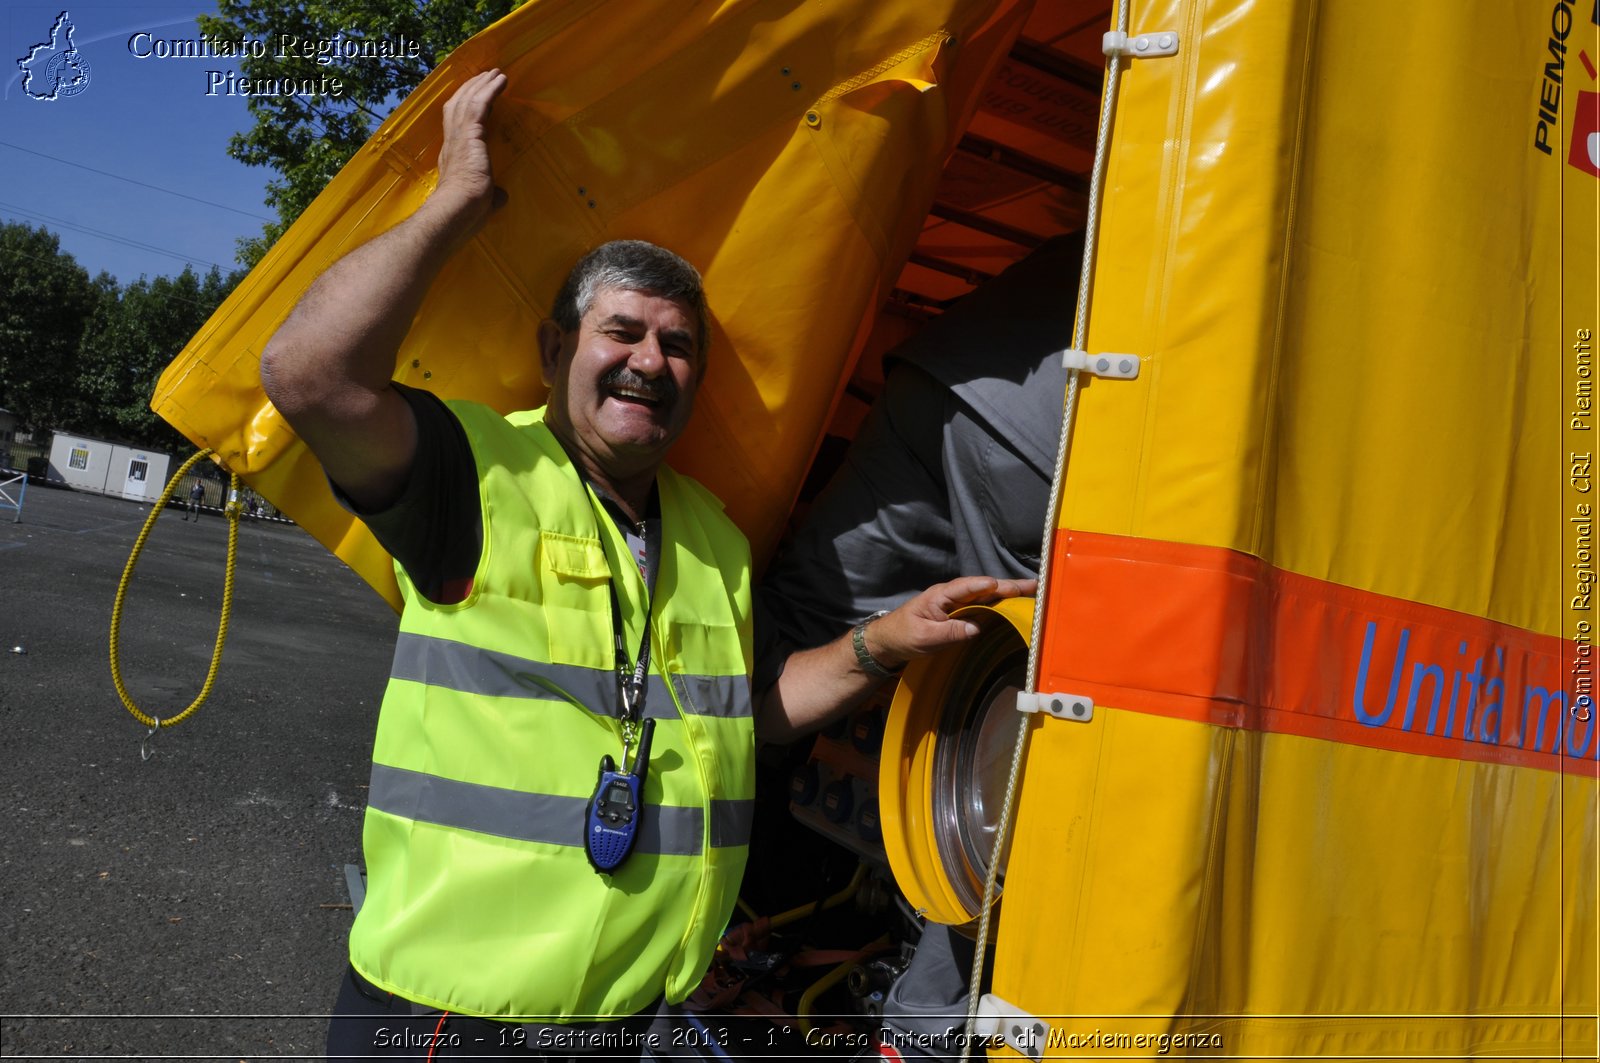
{"x":132,"y":172}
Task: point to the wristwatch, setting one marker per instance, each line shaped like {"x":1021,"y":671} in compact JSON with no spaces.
{"x":869,"y":664}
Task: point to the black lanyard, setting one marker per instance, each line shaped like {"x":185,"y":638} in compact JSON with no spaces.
{"x":612,"y":814}
{"x":632,"y":678}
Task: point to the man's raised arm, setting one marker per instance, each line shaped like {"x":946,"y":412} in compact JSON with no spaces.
{"x":328,"y":368}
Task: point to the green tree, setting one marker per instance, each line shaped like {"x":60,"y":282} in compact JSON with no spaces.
{"x":46,"y":299}
{"x":308,"y":138}
{"x":130,"y":340}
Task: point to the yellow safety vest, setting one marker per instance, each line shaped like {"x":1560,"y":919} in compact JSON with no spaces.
{"x":480,"y":898}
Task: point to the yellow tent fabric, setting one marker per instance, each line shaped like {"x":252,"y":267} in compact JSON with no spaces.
{"x":1326,"y":566}
{"x":788,"y":149}
{"x":1363,"y":291}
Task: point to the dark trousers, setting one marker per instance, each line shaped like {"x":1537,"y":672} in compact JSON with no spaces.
{"x":369,"y":1023}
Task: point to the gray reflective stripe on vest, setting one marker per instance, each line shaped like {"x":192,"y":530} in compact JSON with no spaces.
{"x":713,"y":695}
{"x":731,"y":822}
{"x":473,"y":670}
{"x":668,"y":830}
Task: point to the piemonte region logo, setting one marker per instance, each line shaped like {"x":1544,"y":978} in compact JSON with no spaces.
{"x":55,"y":68}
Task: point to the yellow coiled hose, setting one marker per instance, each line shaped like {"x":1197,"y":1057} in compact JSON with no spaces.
{"x":230,"y":509}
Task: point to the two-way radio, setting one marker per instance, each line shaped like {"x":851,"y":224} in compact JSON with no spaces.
{"x":617,"y":807}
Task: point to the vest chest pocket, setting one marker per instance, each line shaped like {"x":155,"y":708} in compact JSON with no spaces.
{"x":710,"y":662}
{"x":574,"y":585}
{"x":711,"y":684}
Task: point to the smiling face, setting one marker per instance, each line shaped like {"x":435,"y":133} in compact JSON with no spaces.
{"x":622,"y":384}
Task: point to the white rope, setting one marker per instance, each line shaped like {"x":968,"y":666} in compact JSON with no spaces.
{"x":1080,"y":328}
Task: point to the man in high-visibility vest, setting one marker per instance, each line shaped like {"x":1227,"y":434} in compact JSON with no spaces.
{"x":564,"y":767}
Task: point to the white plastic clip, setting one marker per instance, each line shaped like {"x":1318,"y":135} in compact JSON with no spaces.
{"x":1144,"y":46}
{"x":1076,"y":707}
{"x":1021,"y":1031}
{"x":1113,"y":366}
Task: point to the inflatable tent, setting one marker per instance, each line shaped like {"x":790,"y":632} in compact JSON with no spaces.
{"x":1324,"y":569}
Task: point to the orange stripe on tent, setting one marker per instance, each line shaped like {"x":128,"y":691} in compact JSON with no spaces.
{"x":1217,"y":636}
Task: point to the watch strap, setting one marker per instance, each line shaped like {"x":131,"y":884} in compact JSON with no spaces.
{"x":869,"y":664}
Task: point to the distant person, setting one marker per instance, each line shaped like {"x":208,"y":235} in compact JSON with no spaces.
{"x":196,"y":494}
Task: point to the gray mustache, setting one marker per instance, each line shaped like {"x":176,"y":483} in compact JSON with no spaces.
{"x":661,"y":389}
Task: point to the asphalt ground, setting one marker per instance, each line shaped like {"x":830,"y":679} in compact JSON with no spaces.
{"x":193,"y":904}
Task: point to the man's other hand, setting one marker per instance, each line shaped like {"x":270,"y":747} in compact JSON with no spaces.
{"x":924,"y":625}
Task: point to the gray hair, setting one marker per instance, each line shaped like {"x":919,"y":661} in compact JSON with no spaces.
{"x":632,"y":265}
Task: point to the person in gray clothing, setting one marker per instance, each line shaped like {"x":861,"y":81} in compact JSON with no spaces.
{"x":950,"y":473}
{"x":951,"y":469}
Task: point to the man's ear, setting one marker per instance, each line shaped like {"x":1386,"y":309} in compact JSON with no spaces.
{"x":550,"y":336}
